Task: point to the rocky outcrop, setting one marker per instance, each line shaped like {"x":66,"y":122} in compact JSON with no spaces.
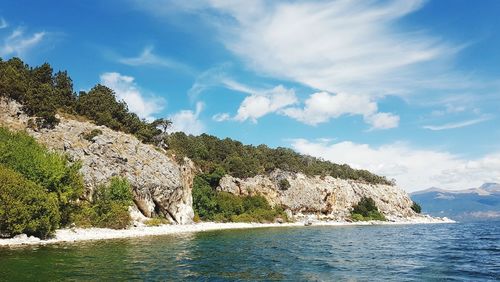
{"x":160,"y":185}
{"x":321,"y":197}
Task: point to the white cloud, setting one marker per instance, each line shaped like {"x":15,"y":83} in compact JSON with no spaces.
{"x":413,"y":169}
{"x":260,"y":104}
{"x":148,"y":58}
{"x":188,"y":121}
{"x":322,"y":106}
{"x":3,"y":23}
{"x":457,"y":124}
{"x":126,"y":89}
{"x":336,"y":46}
{"x":382,"y":120}
{"x":257,"y":104}
{"x":354,"y":47}
{"x":221,"y":117}
{"x":18,"y":43}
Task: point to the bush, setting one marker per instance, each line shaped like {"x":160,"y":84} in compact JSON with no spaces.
{"x":110,"y":204}
{"x":26,"y":207}
{"x":365,"y":210}
{"x":416,"y":207}
{"x":90,"y":135}
{"x":50,"y":170}
{"x":223,"y":206}
{"x":156,"y":221}
{"x":283,"y":184}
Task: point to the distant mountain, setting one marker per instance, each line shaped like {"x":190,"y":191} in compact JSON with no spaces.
{"x":482,"y":203}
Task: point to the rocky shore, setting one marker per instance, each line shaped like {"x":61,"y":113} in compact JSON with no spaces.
{"x":73,"y":235}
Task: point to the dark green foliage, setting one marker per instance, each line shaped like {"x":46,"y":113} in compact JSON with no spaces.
{"x":366,"y":209}
{"x":25,"y":207}
{"x":108,"y":208}
{"x":90,"y":135}
{"x":283,"y":184}
{"x":210,"y":204}
{"x":50,"y":170}
{"x":42,"y":93}
{"x":204,"y":203}
{"x":110,"y":204}
{"x":416,"y":207}
{"x":239,"y":160}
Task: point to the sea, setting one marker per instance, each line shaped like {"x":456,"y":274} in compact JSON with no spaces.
{"x":427,"y":252}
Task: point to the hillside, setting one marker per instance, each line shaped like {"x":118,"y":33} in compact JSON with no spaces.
{"x":482,"y":203}
{"x":132,"y":169}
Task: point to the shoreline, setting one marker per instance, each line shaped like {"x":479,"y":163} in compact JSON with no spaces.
{"x":73,"y":235}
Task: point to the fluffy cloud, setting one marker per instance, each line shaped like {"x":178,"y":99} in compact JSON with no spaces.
{"x":322,"y":106}
{"x":258,"y":105}
{"x":18,"y":42}
{"x":382,"y":120}
{"x":413,"y":169}
{"x":126,"y":89}
{"x":188,"y":121}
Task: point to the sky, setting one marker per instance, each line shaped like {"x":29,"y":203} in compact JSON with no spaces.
{"x":406,"y":89}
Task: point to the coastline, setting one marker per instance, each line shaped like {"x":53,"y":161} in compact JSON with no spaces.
{"x":72,"y":235}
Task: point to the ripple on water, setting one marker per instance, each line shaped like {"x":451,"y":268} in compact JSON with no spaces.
{"x":462,"y":252}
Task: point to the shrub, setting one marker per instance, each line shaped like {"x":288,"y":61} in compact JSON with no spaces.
{"x":365,"y":210}
{"x":90,"y":135}
{"x":416,"y":207}
{"x":110,"y":204}
{"x":196,"y":218}
{"x":26,"y":207}
{"x":204,"y":202}
{"x":84,"y":215}
{"x":50,"y":170}
{"x":156,"y":221}
{"x":223,"y":206}
{"x":114,"y":215}
{"x":283,"y":184}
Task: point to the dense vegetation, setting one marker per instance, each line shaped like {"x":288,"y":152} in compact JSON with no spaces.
{"x":416,"y":207}
{"x":50,"y":170}
{"x":43,"y":93}
{"x":213,"y":205}
{"x":25,"y":207}
{"x":210,"y":153}
{"x":108,"y":208}
{"x":365,"y":210}
{"x":41,"y":191}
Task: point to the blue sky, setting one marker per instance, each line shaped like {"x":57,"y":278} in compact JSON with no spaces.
{"x":407,"y":89}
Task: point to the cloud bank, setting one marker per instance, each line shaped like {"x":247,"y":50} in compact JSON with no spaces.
{"x":413,"y":169}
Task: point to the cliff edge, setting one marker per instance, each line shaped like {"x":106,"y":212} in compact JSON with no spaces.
{"x":325,"y":198}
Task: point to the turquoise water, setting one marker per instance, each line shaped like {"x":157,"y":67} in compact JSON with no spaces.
{"x":451,"y":252}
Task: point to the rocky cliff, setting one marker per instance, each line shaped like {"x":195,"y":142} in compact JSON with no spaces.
{"x":321,"y":197}
{"x":160,"y":185}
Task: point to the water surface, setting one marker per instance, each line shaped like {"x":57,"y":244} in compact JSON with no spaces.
{"x":451,"y":252}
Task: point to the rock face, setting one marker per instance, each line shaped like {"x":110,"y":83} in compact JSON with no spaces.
{"x":160,"y":185}
{"x":323,"y":198}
